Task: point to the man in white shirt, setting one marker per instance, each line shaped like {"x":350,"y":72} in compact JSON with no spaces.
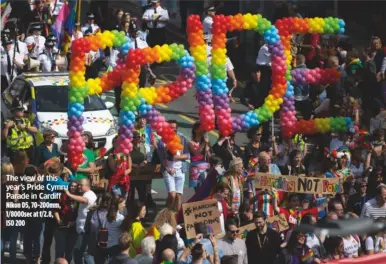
{"x":35,"y":42}
{"x":156,"y":18}
{"x":232,"y":245}
{"x":208,"y":21}
{"x":87,"y":199}
{"x":90,"y":25}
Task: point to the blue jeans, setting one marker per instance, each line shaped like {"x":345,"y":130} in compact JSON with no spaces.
{"x":32,"y":238}
{"x":80,"y":250}
{"x":65,"y":239}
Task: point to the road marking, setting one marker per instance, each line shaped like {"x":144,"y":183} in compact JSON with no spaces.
{"x":162,"y":106}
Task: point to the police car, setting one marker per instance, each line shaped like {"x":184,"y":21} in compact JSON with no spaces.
{"x":45,"y":96}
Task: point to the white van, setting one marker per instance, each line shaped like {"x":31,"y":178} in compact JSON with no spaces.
{"x":45,"y":95}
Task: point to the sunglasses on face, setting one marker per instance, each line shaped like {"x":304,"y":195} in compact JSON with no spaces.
{"x":234,"y":231}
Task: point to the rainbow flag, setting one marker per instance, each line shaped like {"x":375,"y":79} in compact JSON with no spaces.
{"x":6,"y":10}
{"x":308,"y":258}
{"x":57,"y":27}
{"x":69,"y":24}
{"x":3,"y":4}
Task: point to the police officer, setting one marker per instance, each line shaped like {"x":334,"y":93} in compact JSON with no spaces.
{"x":156,"y":18}
{"x":47,"y":57}
{"x":18,"y":131}
{"x":90,"y":25}
{"x":208,"y":21}
{"x":52,"y":38}
{"x":35,"y":42}
{"x":11,"y":62}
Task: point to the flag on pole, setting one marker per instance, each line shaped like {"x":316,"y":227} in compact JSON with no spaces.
{"x":69,"y":24}
{"x":3,"y":4}
{"x":57,"y":28}
{"x":5,"y":14}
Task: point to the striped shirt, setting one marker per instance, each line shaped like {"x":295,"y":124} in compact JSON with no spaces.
{"x":372,"y":210}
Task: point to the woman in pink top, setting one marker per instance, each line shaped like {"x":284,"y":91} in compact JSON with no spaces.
{"x":199,"y":149}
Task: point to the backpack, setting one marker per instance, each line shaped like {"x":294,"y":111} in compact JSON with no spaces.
{"x":102,"y":235}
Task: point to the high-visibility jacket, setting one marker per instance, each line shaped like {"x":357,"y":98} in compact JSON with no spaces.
{"x":19,"y":139}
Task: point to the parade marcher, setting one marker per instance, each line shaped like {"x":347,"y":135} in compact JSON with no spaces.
{"x":156,"y":18}
{"x":21,"y":47}
{"x":208,"y":21}
{"x":35,"y":42}
{"x":173,"y":169}
{"x":231,"y":244}
{"x":77,"y":32}
{"x":263,"y":243}
{"x":90,"y":25}
{"x":140,"y":43}
{"x":53,"y":39}
{"x":11,"y":62}
{"x":18,"y":131}
{"x":47,"y":57}
{"x":116,"y":24}
{"x":85,"y":200}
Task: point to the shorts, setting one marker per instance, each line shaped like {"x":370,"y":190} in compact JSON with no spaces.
{"x":174,"y":183}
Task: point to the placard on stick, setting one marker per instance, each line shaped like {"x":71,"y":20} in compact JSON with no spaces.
{"x":201,"y":212}
{"x":298,"y":184}
{"x":278,"y":222}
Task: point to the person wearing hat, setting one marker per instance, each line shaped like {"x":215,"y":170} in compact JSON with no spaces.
{"x":35,"y":42}
{"x":90,"y":25}
{"x":232,"y":178}
{"x":77,"y":32}
{"x":53,"y":39}
{"x":18,"y":131}
{"x":21,"y":46}
{"x":11,"y":62}
{"x":156,"y":18}
{"x":208,"y":21}
{"x":47,"y":57}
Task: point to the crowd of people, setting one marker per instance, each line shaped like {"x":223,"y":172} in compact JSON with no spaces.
{"x":102,"y":221}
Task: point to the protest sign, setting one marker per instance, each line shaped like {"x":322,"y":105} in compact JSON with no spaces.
{"x":278,"y":222}
{"x":297,"y":184}
{"x":201,"y":212}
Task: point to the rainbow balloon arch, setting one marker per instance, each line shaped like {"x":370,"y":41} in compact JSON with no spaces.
{"x":210,"y":82}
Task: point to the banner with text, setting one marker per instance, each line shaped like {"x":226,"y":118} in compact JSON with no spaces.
{"x":201,"y":212}
{"x":297,"y":184}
